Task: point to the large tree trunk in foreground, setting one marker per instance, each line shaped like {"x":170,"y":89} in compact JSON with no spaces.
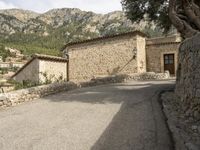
{"x":188,"y":76}
{"x":185,"y":16}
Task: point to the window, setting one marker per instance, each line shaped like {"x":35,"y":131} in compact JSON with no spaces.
{"x":169,"y":59}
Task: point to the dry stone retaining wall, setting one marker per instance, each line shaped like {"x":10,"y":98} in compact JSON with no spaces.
{"x":15,"y":97}
{"x":20,"y":96}
{"x":188,"y":76}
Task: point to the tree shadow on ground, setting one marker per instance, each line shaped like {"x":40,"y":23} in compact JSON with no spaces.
{"x":138,"y":125}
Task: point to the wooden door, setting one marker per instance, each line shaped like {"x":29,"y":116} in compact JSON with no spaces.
{"x":169,"y":63}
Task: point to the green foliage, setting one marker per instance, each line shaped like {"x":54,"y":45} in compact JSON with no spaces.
{"x":156,"y":11}
{"x":157,"y":32}
{"x":50,"y":78}
{"x":28,"y":83}
{"x":51,"y":44}
{"x":29,"y":44}
{"x":29,"y":49}
{"x":24,"y":85}
{"x":3,"y":70}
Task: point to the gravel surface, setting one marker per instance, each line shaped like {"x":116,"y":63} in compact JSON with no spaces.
{"x":123,"y":116}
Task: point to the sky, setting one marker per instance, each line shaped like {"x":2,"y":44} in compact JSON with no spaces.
{"x":98,"y":6}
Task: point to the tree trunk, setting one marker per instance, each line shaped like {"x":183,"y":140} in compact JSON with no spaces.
{"x":188,"y":76}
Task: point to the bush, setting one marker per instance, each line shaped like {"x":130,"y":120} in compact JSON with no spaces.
{"x":24,"y":85}
{"x":3,"y":70}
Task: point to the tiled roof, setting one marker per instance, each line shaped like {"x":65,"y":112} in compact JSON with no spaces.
{"x":106,"y":37}
{"x":50,"y":58}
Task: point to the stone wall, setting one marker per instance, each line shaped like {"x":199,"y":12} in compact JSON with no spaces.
{"x":155,"y":50}
{"x":24,"y":95}
{"x":15,"y":97}
{"x":106,"y":57}
{"x":141,"y":54}
{"x":30,"y":72}
{"x":188,"y":76}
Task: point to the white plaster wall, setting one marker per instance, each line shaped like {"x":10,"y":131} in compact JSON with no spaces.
{"x":53,"y":69}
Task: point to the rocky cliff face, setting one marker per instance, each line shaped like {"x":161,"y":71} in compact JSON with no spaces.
{"x":15,"y":20}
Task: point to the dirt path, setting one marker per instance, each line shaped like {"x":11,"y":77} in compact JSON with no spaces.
{"x":112,"y":117}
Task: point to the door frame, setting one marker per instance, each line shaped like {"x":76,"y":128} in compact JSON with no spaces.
{"x":175,"y":60}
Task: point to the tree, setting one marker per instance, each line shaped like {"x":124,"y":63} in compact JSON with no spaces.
{"x":183,"y":14}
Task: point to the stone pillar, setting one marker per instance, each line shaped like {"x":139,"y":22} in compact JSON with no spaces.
{"x":188,"y":76}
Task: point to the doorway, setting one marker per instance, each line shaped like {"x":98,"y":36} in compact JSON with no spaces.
{"x":169,"y":64}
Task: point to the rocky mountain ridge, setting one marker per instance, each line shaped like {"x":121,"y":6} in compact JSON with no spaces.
{"x":53,"y":29}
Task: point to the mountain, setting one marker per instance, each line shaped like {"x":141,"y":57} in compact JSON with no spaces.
{"x":22,"y":15}
{"x":46,"y":33}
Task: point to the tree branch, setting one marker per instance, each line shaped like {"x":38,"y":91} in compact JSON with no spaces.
{"x":191,"y":14}
{"x":196,"y":8}
{"x":182,"y":26}
{"x":173,"y":15}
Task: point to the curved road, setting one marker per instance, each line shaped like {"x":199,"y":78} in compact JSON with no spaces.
{"x":123,"y":116}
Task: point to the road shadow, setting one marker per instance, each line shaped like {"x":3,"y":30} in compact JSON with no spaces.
{"x":138,"y":125}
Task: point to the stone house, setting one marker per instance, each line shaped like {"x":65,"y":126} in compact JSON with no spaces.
{"x":126,"y":53}
{"x":41,"y":68}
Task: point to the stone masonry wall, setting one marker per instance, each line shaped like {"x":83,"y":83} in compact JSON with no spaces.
{"x":16,"y":97}
{"x":141,"y":54}
{"x":105,"y":57}
{"x":155,"y":50}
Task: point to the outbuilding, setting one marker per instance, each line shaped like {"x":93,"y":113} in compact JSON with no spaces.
{"x":41,"y":68}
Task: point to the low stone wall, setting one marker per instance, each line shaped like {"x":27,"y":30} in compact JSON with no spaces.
{"x":20,"y":96}
{"x":150,"y":76}
{"x":123,"y":78}
{"x":15,"y":97}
